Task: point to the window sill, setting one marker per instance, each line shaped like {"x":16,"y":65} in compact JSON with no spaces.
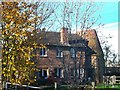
{"x":59,"y":56}
{"x":42,"y":56}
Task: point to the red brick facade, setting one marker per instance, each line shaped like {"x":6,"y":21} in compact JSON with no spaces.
{"x":71,"y":64}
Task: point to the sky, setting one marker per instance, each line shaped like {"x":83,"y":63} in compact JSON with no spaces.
{"x":109,"y":17}
{"x":109,"y":12}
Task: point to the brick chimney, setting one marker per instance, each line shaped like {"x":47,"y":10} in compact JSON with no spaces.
{"x":64,"y":35}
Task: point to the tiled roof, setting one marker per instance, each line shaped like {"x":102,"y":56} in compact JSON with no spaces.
{"x":94,"y":43}
{"x":51,"y":38}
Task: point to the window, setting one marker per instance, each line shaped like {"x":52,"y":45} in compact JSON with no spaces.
{"x":43,"y":73}
{"x":58,"y":72}
{"x":55,"y":72}
{"x":73,"y":54}
{"x":43,"y":52}
{"x":59,"y":53}
{"x":72,"y":72}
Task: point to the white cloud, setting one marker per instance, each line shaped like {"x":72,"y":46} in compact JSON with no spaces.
{"x":78,"y":0}
{"x":67,"y":0}
{"x":112,"y":30}
{"x":111,"y":26}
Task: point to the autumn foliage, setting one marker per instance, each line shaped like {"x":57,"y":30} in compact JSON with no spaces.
{"x":18,"y":20}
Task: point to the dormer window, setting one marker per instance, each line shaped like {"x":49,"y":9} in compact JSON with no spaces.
{"x":43,"y":52}
{"x":73,"y":54}
{"x":59,"y":53}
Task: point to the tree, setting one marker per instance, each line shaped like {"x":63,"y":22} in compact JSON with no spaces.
{"x":44,"y":15}
{"x":17,"y":20}
{"x":78,"y":17}
{"x":110,"y":56}
{"x":20,"y":24}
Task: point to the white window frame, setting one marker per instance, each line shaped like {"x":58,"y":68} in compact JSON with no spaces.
{"x":43,"y":55}
{"x":73,"y":54}
{"x":59,"y":72}
{"x":47,"y":71}
{"x":59,"y":53}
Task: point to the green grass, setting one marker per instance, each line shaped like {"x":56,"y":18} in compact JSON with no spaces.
{"x":116,"y":86}
{"x":98,"y":87}
{"x":62,"y":88}
{"x":59,"y":88}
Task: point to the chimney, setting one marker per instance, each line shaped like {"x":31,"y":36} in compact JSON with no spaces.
{"x":64,"y":35}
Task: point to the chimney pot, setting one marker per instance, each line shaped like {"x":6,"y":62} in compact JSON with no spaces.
{"x":64,"y":35}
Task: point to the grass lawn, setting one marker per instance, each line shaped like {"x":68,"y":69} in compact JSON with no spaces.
{"x":59,"y":88}
{"x":98,"y":87}
{"x":65,"y":87}
{"x":115,"y":86}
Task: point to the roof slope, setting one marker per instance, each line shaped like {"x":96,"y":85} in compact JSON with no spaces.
{"x":53,"y":38}
{"x":94,"y":42}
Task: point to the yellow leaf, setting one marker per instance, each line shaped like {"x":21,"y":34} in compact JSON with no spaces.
{"x":13,"y":69}
{"x":7,"y":26}
{"x":32,"y":63}
{"x":4,"y":63}
{"x":11,"y":63}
